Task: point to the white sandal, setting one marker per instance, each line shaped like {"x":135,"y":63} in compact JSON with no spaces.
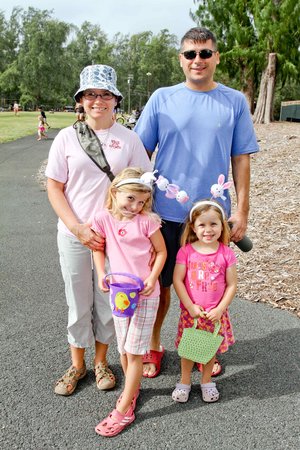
{"x":181,"y":393}
{"x":210,"y":393}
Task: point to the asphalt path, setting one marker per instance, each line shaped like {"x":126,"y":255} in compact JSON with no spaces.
{"x":260,"y":402}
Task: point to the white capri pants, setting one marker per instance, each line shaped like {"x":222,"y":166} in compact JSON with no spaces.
{"x":89,"y":317}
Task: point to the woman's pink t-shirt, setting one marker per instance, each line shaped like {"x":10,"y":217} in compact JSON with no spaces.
{"x":205,"y":279}
{"x":85,"y":185}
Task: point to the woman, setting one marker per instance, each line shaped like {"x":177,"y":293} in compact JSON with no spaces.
{"x":77,"y":189}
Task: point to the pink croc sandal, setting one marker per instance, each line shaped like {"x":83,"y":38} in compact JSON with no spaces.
{"x":133,"y":401}
{"x":115,"y":423}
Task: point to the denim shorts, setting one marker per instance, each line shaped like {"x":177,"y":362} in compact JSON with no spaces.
{"x":171,"y":232}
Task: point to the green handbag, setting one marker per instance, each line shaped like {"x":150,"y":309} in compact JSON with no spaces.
{"x":199,"y":345}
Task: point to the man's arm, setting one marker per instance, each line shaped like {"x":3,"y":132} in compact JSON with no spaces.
{"x":241,"y":176}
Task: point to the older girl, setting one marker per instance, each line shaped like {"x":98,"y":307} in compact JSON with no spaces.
{"x":131,"y":231}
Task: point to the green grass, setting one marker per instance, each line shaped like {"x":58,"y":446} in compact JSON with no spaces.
{"x":26,"y":123}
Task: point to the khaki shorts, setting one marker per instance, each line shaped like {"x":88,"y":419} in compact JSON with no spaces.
{"x":89,"y":315}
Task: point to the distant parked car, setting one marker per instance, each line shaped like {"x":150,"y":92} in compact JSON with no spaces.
{"x":69,"y":109}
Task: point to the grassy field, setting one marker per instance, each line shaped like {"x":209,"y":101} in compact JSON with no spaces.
{"x":14,"y":127}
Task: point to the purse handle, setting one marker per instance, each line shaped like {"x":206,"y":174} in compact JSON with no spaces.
{"x":217,"y":326}
{"x":124,"y":274}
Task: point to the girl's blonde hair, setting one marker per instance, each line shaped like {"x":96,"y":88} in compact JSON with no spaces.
{"x":189,"y":235}
{"x":130,"y":172}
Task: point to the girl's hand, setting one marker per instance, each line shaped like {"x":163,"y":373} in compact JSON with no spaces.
{"x":149,"y":285}
{"x":101,"y":284}
{"x":196,"y":311}
{"x":214,"y":315}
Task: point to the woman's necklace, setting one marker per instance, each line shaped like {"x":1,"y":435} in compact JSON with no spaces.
{"x":103,"y":137}
{"x":103,"y":134}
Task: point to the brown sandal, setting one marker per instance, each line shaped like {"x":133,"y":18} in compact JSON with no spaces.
{"x":67,"y":384}
{"x":105,"y":379}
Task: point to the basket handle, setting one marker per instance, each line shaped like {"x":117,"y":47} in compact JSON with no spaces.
{"x":124,"y":274}
{"x":217,"y":326}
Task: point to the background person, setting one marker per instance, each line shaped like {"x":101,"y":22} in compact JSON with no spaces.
{"x":201,"y":127}
{"x":77,"y":191}
{"x":43,"y":114}
{"x":41,"y":128}
{"x":16,"y":109}
{"x":80,"y":115}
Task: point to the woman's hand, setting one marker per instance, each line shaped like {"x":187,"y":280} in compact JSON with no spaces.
{"x":88,"y":237}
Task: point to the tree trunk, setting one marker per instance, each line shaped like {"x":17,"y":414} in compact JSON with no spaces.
{"x":264,"y":108}
{"x":248,"y":91}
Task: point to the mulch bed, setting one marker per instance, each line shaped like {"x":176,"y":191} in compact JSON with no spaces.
{"x":270,"y":271}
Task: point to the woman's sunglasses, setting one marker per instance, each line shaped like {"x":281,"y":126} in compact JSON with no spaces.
{"x":206,"y":53}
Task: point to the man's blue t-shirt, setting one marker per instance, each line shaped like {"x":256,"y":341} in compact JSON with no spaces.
{"x":197,"y":133}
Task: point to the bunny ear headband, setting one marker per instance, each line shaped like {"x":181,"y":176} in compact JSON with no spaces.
{"x":149,"y":179}
{"x":173,"y":191}
{"x":217,"y":191}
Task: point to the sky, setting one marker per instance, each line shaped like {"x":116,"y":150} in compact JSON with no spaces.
{"x":113,"y":16}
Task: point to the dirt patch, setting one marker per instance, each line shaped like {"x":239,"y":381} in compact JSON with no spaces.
{"x":269,"y":273}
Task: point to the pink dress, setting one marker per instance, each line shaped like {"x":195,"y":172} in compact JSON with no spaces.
{"x":205,"y":282}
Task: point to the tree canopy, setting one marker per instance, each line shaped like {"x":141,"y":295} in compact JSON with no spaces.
{"x":248,"y":32}
{"x":41,"y":57}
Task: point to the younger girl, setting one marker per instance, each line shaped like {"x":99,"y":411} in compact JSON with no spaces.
{"x":131,"y":231}
{"x":205,"y":281}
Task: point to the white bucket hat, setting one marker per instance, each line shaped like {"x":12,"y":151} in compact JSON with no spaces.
{"x":98,"y":76}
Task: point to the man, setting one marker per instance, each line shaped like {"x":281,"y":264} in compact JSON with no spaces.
{"x":200,"y":127}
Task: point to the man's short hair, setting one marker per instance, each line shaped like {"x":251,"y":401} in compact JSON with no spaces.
{"x":199,"y":34}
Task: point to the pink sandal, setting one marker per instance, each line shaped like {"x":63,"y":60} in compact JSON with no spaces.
{"x":133,"y":401}
{"x":115,"y":423}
